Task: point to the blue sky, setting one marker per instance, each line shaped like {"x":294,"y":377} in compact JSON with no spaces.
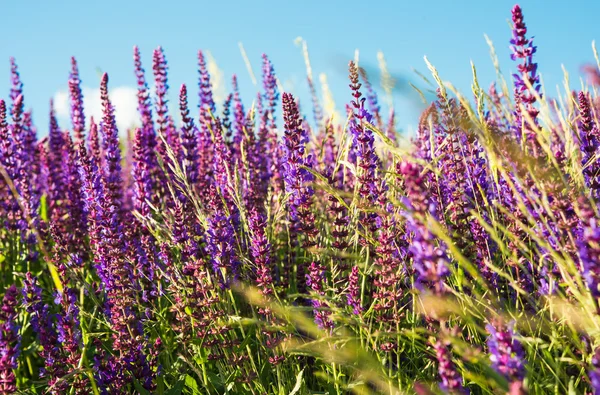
{"x":43,"y":36}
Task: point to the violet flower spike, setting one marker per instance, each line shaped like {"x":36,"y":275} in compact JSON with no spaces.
{"x":271,"y":94}
{"x":353,"y":295}
{"x":260,"y":248}
{"x":589,"y":253}
{"x":295,"y":176}
{"x":10,"y":341}
{"x":112,"y":151}
{"x":189,"y":139}
{"x":589,"y":135}
{"x":16,"y":89}
{"x":205,"y":87}
{"x":41,"y":322}
{"x":506,"y":352}
{"x":76,"y":97}
{"x":429,"y":259}
{"x":451,"y":382}
{"x":523,"y":48}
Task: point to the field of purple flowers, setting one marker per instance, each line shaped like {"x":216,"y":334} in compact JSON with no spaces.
{"x":239,"y":253}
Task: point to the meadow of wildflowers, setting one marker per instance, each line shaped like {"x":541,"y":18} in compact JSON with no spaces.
{"x":251,"y":251}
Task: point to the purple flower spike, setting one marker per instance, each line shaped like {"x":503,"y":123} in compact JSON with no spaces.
{"x":77,"y":114}
{"x":271,"y":94}
{"x":112,"y":152}
{"x":374,"y":107}
{"x":429,"y":259}
{"x":522,"y":48}
{"x":315,"y":280}
{"x":506,"y":353}
{"x":297,"y":179}
{"x":6,"y":159}
{"x":451,"y":382}
{"x":159,"y":67}
{"x":595,"y":373}
{"x":220,"y":243}
{"x":189,"y":139}
{"x":142,"y":182}
{"x":589,"y":253}
{"x":10,"y":341}
{"x":353,"y":296}
{"x":260,"y":249}
{"x":239,"y":115}
{"x":148,"y":138}
{"x":56,"y":190}
{"x":16,"y":89}
{"x":206,"y":97}
{"x":363,"y":142}
{"x":41,"y":322}
{"x":590,"y":142}
{"x":143,"y":93}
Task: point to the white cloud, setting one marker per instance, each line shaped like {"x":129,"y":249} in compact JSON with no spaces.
{"x":123,"y":98}
{"x":217,"y":79}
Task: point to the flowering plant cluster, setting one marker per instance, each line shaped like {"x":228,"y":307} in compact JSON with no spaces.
{"x":246,"y":250}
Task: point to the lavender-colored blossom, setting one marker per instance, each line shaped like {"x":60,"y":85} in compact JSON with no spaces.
{"x":69,"y":336}
{"x":271,"y":95}
{"x":56,"y":187}
{"x":363,"y":141}
{"x":143,"y":249}
{"x":94,"y":146}
{"x":506,"y":352}
{"x":112,"y":151}
{"x":189,"y":139}
{"x":24,"y":210}
{"x":429,"y":260}
{"x":353,"y":296}
{"x":223,"y":172}
{"x":41,"y":322}
{"x":297,"y":178}
{"x":148,"y":142}
{"x":10,"y":341}
{"x":161,"y":85}
{"x":589,"y":253}
{"x":159,"y":66}
{"x":92,"y":192}
{"x":239,"y":118}
{"x":315,"y":278}
{"x":451,"y":382}
{"x":387,"y":280}
{"x":371,"y":96}
{"x":142,"y":183}
{"x":227,"y":124}
{"x":522,"y":48}
{"x":7,"y":163}
{"x":589,"y":136}
{"x":205,"y":87}
{"x":260,"y":248}
{"x":76,"y":97}
{"x":261,"y":157}
{"x":16,"y":88}
{"x":220,"y":242}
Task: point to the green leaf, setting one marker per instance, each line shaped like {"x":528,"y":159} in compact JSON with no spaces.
{"x":191,"y":384}
{"x":178,"y":387}
{"x":140,"y":388}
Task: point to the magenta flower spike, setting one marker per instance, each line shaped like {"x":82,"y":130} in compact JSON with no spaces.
{"x":76,"y":97}
{"x":523,"y":49}
{"x":10,"y":341}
